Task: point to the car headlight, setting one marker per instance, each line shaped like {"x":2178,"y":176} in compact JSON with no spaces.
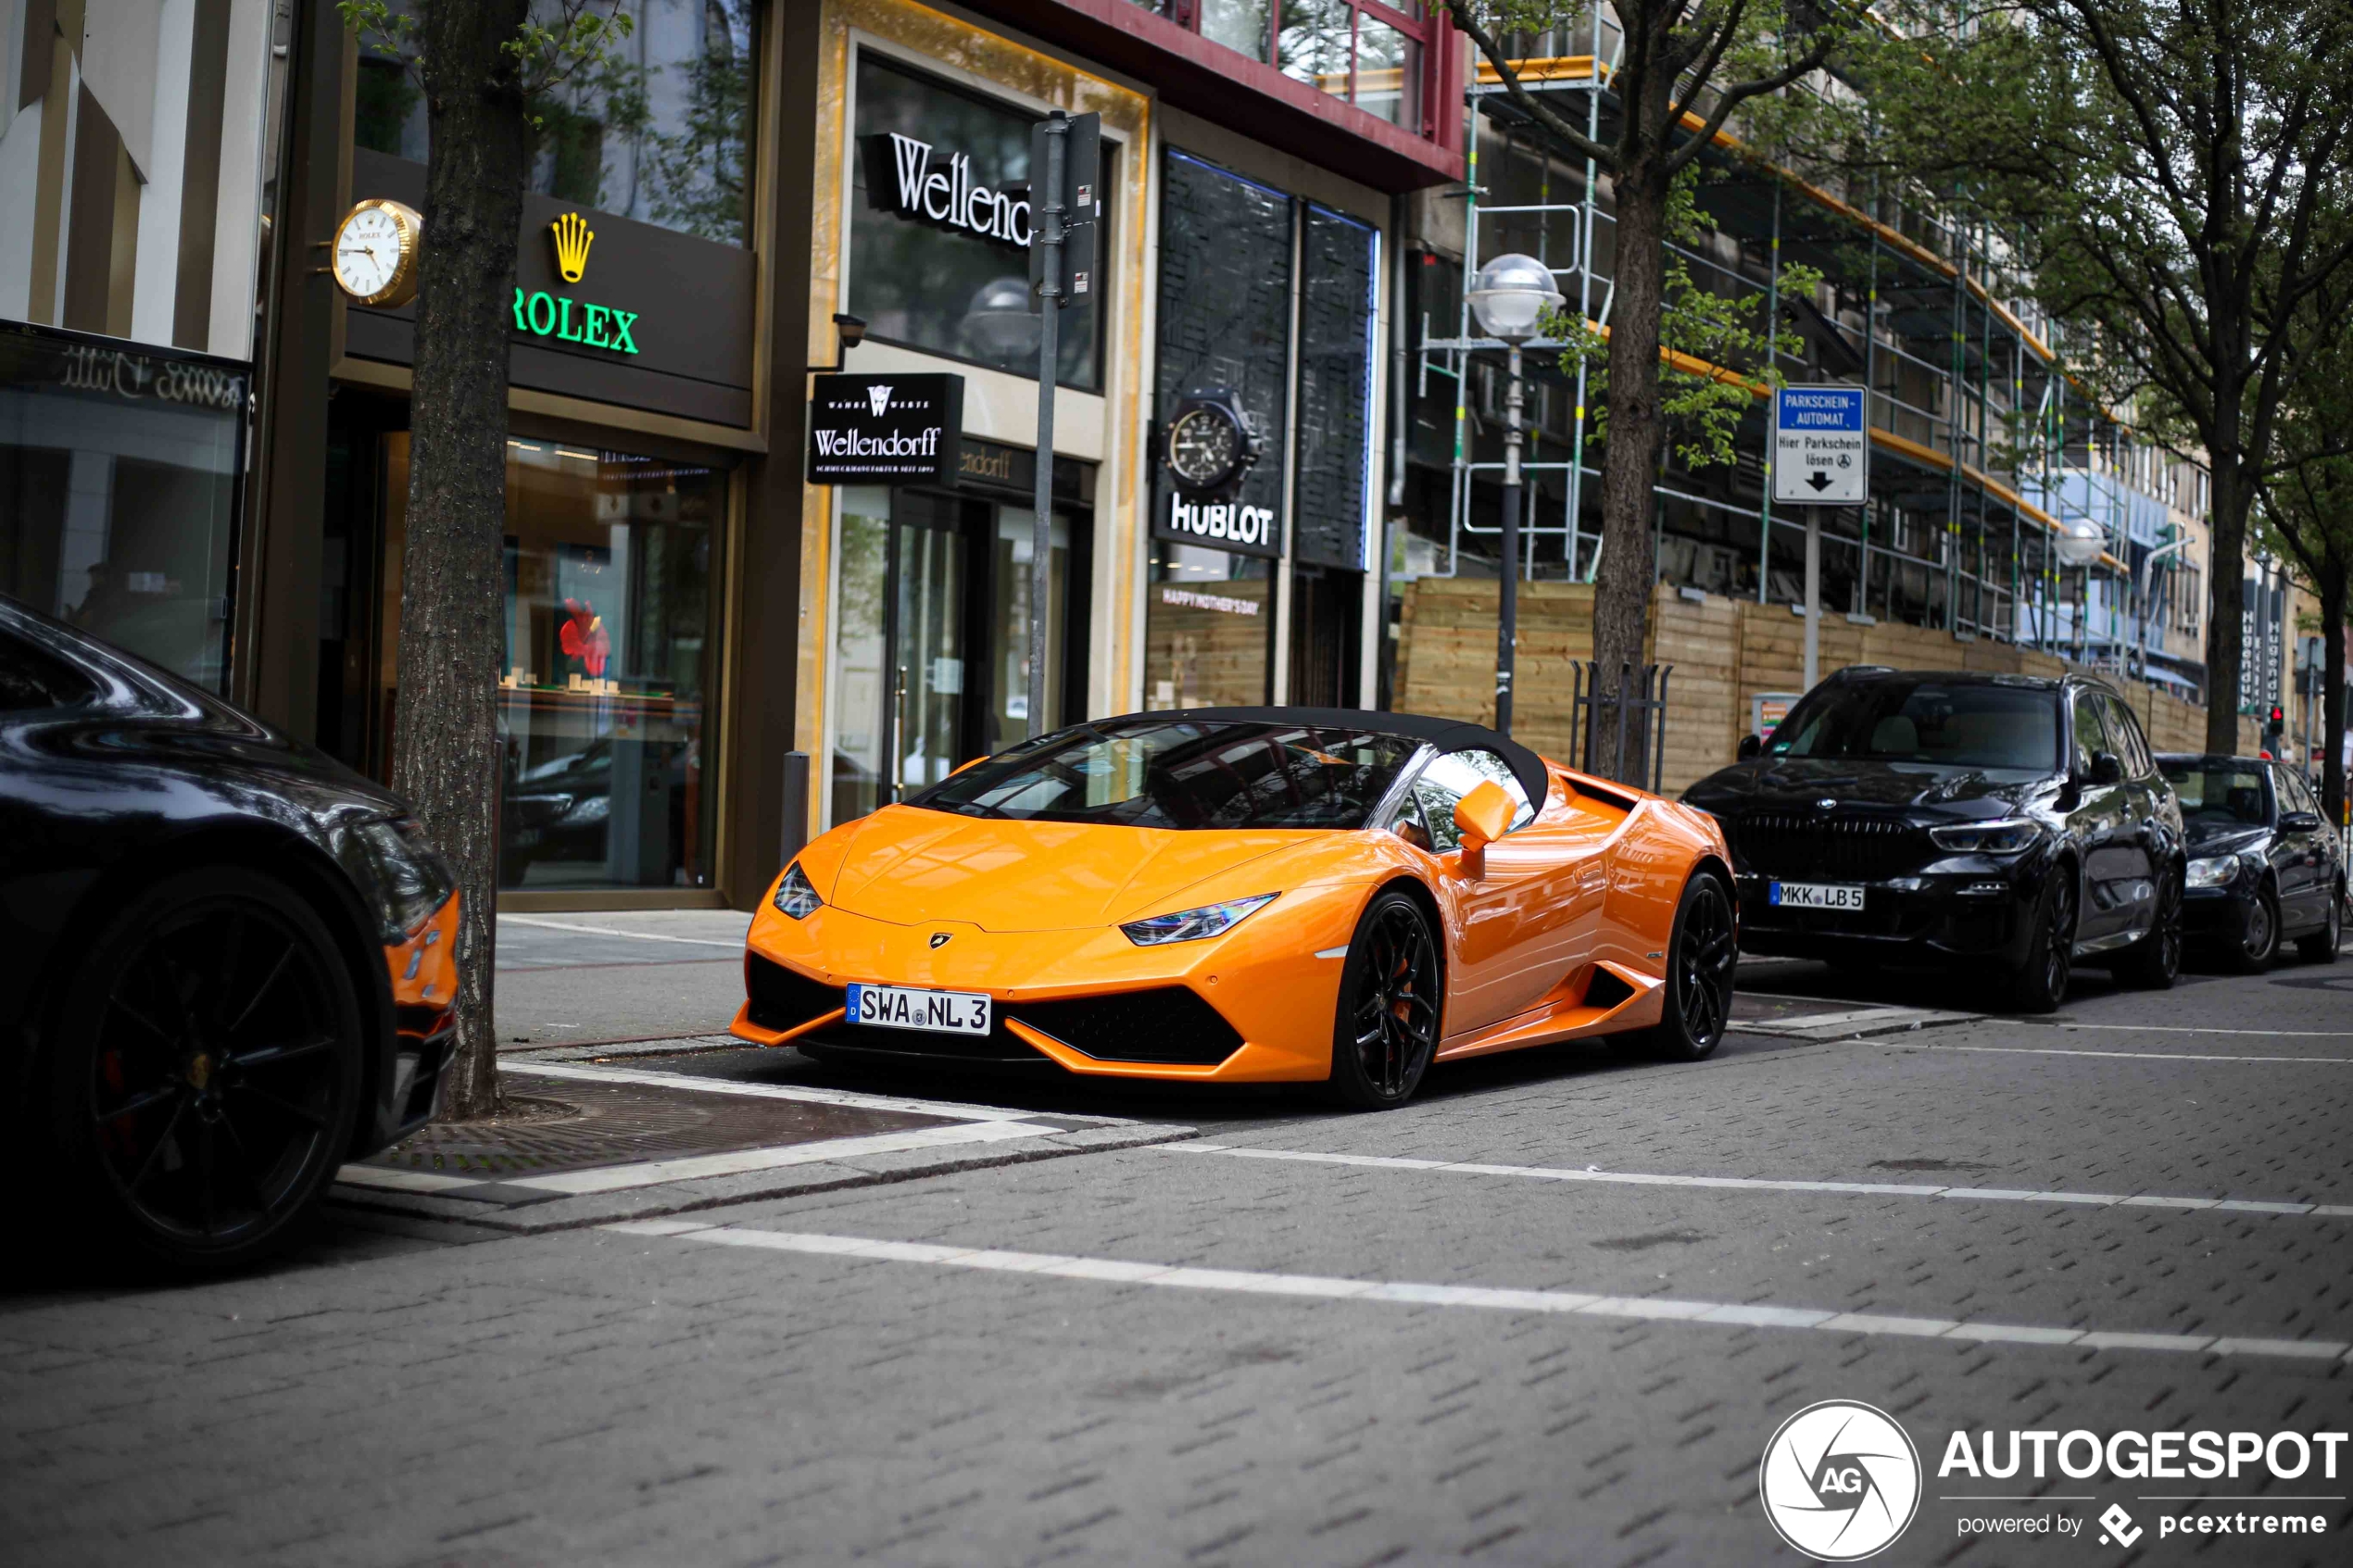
{"x":2216,"y":872}
{"x":795,"y":896}
{"x":2006,"y":836}
{"x":406,"y":876}
{"x":1192,"y":925}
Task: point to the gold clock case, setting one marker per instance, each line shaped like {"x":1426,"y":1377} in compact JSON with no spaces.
{"x":412,"y":226}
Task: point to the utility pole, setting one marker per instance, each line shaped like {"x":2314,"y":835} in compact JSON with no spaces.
{"x":1061,"y":228}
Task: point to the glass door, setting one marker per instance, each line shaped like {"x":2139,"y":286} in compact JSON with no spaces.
{"x":928,"y":651}
{"x":1016,"y":546}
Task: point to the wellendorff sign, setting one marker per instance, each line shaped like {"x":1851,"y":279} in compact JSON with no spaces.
{"x":902,"y":176}
{"x":886,"y":429}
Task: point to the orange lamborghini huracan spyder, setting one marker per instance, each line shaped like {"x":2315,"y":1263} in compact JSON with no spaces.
{"x":1249,"y":896}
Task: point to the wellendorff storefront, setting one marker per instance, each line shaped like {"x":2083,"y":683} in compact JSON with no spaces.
{"x":1224,"y":259}
{"x":708,"y":658}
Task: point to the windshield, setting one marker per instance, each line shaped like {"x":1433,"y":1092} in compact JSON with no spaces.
{"x":1167,"y":773}
{"x":1959,"y":725}
{"x":2217,"y":797}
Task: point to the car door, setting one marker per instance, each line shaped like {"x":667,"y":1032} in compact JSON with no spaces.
{"x":2142,"y":836}
{"x":2096,"y":825}
{"x":2295,"y":858}
{"x":1493,"y":903}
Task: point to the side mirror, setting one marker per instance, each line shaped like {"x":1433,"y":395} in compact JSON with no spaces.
{"x":1483,"y":816}
{"x":1751,"y":745}
{"x":2299,"y":821}
{"x":2106,"y":768}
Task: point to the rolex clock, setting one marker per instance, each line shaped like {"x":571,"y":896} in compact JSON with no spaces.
{"x":1210,"y":444}
{"x":375,"y":259}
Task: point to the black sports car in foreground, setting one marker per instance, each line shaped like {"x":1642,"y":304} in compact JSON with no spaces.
{"x":2263,"y":865}
{"x":2008,"y":823}
{"x":226,"y":960}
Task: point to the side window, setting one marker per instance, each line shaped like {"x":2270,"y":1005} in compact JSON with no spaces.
{"x":2294,"y":795}
{"x":2091,"y":732}
{"x":2124,"y":728}
{"x":1408,"y":824}
{"x":1450,"y":777}
{"x":32,"y":679}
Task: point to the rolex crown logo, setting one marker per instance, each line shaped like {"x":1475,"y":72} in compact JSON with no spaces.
{"x":573,"y":236}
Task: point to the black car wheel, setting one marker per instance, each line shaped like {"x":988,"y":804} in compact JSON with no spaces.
{"x":1701,"y":957}
{"x":2259,"y":942}
{"x":1390,"y":1001}
{"x":2152,"y":962}
{"x":2038,"y":984}
{"x":205,"y":1073}
{"x":2323,"y":945}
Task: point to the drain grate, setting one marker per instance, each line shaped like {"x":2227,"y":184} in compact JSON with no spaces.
{"x":614,"y":1125}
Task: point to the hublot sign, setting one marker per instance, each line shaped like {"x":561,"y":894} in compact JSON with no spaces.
{"x":886,"y":429}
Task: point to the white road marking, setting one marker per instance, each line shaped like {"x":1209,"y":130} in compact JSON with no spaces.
{"x":695,"y":1167}
{"x":394,"y":1179}
{"x":1577,"y":1303}
{"x":1759,"y":1183}
{"x":806,"y":1094}
{"x":2134,"y":1056}
{"x":2201,"y":1029}
{"x":1841,"y":1025}
{"x":542,"y":924}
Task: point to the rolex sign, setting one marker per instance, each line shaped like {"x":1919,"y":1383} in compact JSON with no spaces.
{"x":886,"y":429}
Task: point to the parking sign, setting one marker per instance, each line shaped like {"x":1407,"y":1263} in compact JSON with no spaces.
{"x":1822,"y":448}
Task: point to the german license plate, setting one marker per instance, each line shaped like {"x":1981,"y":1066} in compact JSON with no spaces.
{"x":903,"y":1007}
{"x":1815,"y":894}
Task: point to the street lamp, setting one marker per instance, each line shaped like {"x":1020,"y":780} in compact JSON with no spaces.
{"x":1003,"y":322}
{"x":1510,"y":296}
{"x":2079,"y":543}
{"x":2140,"y":593}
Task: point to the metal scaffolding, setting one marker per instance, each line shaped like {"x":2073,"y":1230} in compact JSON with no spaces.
{"x":1983,"y":452}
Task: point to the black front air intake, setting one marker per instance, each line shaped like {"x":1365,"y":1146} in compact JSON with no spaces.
{"x":784,"y":998}
{"x":1170,"y":1026}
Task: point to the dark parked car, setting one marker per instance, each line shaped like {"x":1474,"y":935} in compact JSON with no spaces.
{"x":2007,"y":823}
{"x":2264,"y":865}
{"x":225,"y":959}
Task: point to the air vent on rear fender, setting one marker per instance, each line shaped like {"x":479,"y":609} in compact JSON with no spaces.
{"x":1606,"y":990}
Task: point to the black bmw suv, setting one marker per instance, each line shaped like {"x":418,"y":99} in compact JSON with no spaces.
{"x":2008,"y":823}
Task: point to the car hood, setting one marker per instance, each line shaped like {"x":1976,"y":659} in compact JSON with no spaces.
{"x":2221,"y":838}
{"x":1766,"y":782}
{"x":908,"y":865}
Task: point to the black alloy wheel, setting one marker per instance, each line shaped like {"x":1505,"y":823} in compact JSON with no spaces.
{"x":1701,"y":958}
{"x":204,"y":1080}
{"x":2038,"y":984}
{"x":2322,"y":946}
{"x":2155,"y":961}
{"x":2258,"y":941}
{"x":1392,"y":998}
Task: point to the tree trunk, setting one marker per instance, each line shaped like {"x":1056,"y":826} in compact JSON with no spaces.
{"x":2226,"y":567}
{"x":2336,"y":578}
{"x":1630,"y":457}
{"x":452,"y":599}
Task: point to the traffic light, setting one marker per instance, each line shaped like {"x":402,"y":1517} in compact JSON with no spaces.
{"x":2274,"y":730}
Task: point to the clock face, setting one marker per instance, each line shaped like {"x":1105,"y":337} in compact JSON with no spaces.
{"x":1202,"y":446}
{"x":367,"y":253}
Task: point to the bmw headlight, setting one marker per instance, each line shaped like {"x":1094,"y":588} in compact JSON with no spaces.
{"x":2006,"y":836}
{"x":795,"y":896}
{"x":2216,"y":872}
{"x":1192,"y":925}
{"x":406,"y":875}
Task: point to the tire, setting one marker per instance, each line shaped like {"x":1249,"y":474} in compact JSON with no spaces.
{"x":1701,"y":958}
{"x":202,"y":1084}
{"x":2038,"y":984}
{"x":2153,"y":962}
{"x":2323,"y":945}
{"x":1385,"y":1029}
{"x":2254,"y":950}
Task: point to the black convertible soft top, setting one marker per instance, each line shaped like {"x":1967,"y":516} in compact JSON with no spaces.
{"x":1447,"y":734}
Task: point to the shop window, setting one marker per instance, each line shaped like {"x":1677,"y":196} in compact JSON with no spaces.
{"x":939,"y":228}
{"x":118,"y":478}
{"x":662,"y":134}
{"x":132,"y":180}
{"x":1209,"y":628}
{"x":1338,"y":283}
{"x":609,"y":662}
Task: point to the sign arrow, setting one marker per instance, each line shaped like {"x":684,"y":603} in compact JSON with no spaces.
{"x":1818,"y":479}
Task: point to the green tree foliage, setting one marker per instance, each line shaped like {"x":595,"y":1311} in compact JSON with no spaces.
{"x":2165,"y":172}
